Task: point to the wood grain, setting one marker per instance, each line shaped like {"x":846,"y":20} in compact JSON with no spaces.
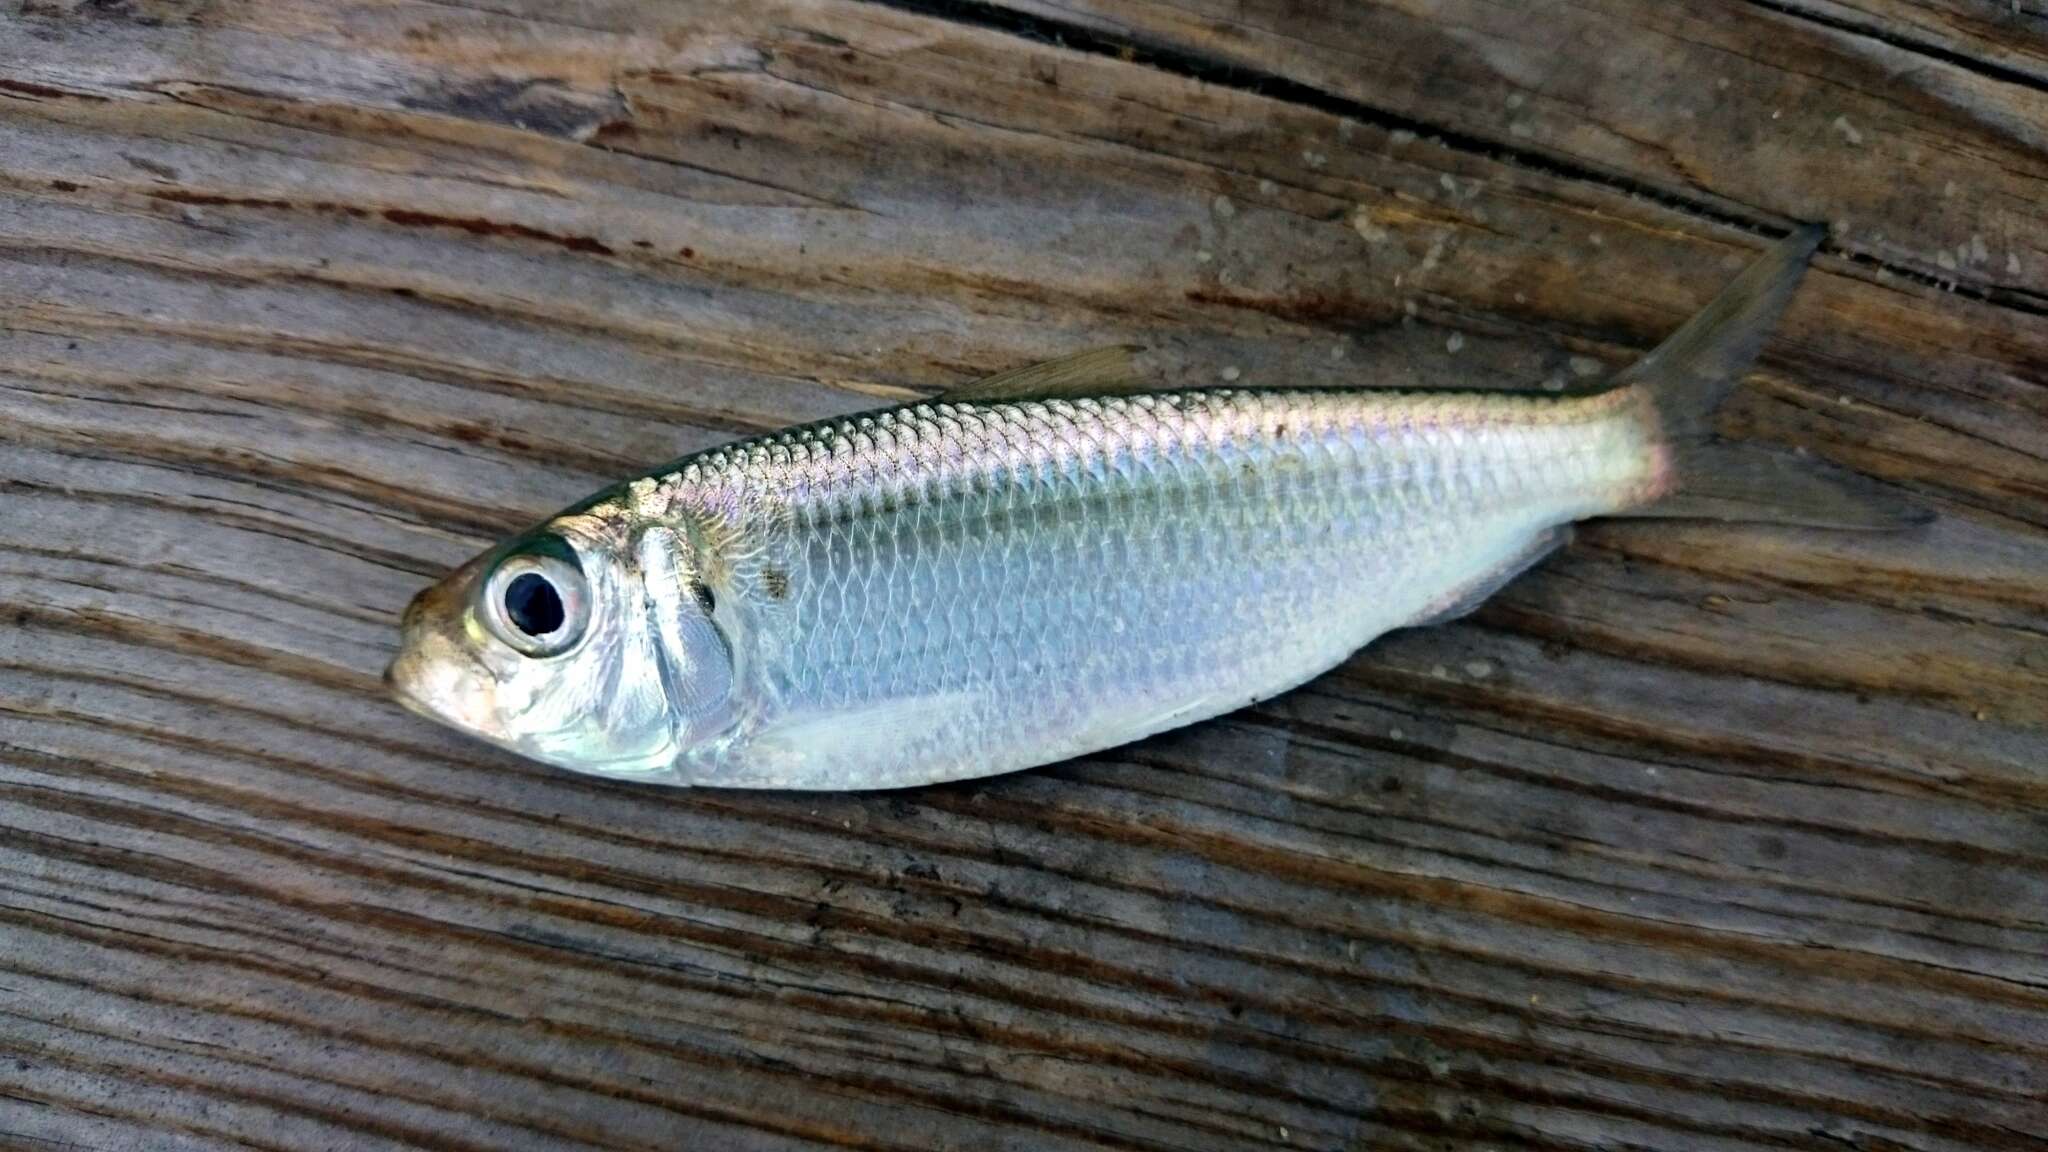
{"x":1696,"y":838}
{"x":1913,"y":128}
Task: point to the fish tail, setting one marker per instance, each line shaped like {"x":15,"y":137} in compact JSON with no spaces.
{"x":1683,"y":382}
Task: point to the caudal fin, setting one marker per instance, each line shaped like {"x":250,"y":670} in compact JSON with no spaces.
{"x":1688,"y":376}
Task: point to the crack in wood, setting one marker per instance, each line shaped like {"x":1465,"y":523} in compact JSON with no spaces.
{"x":1916,"y":45}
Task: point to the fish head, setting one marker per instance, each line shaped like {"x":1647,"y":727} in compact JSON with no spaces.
{"x":585,"y":643}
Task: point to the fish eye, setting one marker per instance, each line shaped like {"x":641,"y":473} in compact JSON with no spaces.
{"x":533,"y":605}
{"x":536,"y":601}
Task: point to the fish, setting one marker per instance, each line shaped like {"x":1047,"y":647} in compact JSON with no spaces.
{"x":1062,"y":559}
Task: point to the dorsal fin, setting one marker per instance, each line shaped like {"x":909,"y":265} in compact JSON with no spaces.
{"x":1096,"y":372}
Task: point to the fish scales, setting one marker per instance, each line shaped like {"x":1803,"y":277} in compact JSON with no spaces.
{"x":1063,"y":576}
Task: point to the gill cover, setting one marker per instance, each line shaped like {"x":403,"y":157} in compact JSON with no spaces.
{"x":691,"y":654}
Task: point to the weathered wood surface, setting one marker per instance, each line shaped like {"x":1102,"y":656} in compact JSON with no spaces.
{"x":1695,"y":839}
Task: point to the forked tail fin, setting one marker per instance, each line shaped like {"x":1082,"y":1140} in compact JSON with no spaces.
{"x":1688,"y":376}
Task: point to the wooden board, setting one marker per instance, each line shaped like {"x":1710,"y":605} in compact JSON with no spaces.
{"x":1696,"y":838}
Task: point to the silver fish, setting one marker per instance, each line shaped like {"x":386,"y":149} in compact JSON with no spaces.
{"x":1056,"y":561}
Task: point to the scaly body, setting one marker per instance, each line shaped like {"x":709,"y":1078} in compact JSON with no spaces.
{"x":950,"y":590}
{"x":1054,"y":561}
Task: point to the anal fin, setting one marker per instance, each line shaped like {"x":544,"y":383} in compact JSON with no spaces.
{"x":1464,"y":599}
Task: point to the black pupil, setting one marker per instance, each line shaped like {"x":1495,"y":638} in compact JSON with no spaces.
{"x":533,"y":605}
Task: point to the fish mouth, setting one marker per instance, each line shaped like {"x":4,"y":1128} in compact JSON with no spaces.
{"x":396,"y":687}
{"x":430,"y":678}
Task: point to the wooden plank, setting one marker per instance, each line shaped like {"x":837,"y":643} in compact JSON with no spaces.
{"x":1915,"y":129}
{"x":2007,"y":40}
{"x":1697,"y":838}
